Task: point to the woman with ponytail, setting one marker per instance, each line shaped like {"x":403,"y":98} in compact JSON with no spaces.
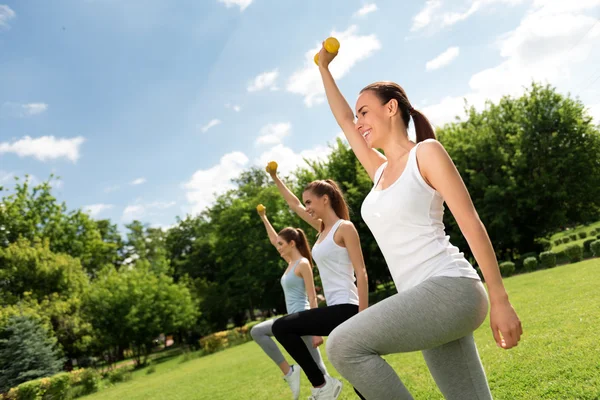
{"x":440,"y":299}
{"x":340,"y":263}
{"x":299,"y":291}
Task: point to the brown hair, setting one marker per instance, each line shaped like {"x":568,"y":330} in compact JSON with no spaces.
{"x":298,"y":236}
{"x":330,"y":188}
{"x":387,"y":91}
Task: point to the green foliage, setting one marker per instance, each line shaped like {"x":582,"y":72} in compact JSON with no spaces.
{"x":119,"y":375}
{"x":543,"y":244}
{"x":530,"y":264}
{"x":512,"y":152}
{"x":507,"y":268}
{"x":27,"y":352}
{"x":573,"y":237}
{"x":582,"y":234}
{"x":586,"y":245}
{"x":31,"y":390}
{"x":58,"y":387}
{"x":574,"y":252}
{"x":595,"y":248}
{"x":90,"y":381}
{"x":548,"y":259}
{"x":566,"y":239}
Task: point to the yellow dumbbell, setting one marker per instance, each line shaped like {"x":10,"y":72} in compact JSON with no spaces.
{"x":260,"y":208}
{"x":332,"y":45}
{"x":271,"y":166}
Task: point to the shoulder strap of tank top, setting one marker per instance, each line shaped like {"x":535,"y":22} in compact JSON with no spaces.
{"x":378,"y":174}
{"x":335,"y":227}
{"x":295,"y":265}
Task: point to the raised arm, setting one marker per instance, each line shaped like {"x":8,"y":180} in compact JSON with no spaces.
{"x":440,"y":172}
{"x":292,"y":201}
{"x":262,"y":212}
{"x":352,"y":243}
{"x":370,"y":158}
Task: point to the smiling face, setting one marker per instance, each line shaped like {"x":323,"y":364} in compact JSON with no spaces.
{"x":373,"y":118}
{"x":284,"y":247}
{"x":314,"y":204}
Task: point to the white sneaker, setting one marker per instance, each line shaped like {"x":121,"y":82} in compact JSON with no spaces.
{"x":293,"y":379}
{"x":330,"y":391}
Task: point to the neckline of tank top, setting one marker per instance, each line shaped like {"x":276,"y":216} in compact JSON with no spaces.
{"x":329,"y":233}
{"x":286,"y":273}
{"x":374,"y":189}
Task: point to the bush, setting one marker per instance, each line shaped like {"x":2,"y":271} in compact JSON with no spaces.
{"x":557,"y":242}
{"x":31,"y":390}
{"x":507,"y":268}
{"x":58,"y":387}
{"x":90,"y":380}
{"x":582,"y":234}
{"x":573,"y":237}
{"x":119,"y":375}
{"x":548,"y":259}
{"x":574,"y":252}
{"x":530,"y":264}
{"x":566,"y":239}
{"x":595,"y":248}
{"x":586,"y":245}
{"x":542,"y":244}
{"x":151,"y":369}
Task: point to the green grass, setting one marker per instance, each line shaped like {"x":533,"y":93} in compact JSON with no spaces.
{"x":585,"y":228}
{"x":558,"y":357}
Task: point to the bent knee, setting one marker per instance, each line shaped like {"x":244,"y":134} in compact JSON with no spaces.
{"x":340,"y":346}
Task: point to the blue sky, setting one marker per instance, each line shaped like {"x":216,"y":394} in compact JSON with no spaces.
{"x":145,"y":108}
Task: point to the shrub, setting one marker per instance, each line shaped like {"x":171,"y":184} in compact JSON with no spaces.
{"x":31,"y":390}
{"x":595,"y":248}
{"x":119,"y":375}
{"x":530,"y":264}
{"x":151,"y":369}
{"x":566,"y":239}
{"x":90,"y":381}
{"x":58,"y":387}
{"x":582,"y":234}
{"x":548,"y":259}
{"x":542,"y":244}
{"x":586,"y":245}
{"x":507,"y":268}
{"x":574,"y":252}
{"x":557,"y":242}
{"x":573,"y":237}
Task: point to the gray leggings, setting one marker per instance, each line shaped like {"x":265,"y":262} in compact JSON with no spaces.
{"x":437,"y":317}
{"x":263,"y":334}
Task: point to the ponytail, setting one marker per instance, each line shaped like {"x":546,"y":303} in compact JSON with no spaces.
{"x":387,"y":91}
{"x":299,"y":237}
{"x":338,"y":202}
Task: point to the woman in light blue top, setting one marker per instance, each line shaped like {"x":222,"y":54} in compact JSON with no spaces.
{"x":299,"y":291}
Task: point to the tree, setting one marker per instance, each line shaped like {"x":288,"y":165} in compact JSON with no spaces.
{"x":27,"y":352}
{"x":531,"y":165}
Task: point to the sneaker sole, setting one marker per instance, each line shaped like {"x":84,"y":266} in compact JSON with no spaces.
{"x":337,"y":390}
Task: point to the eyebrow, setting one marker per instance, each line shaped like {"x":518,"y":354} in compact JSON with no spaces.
{"x":358,"y":112}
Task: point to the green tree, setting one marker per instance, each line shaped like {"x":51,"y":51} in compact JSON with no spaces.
{"x":531,"y":165}
{"x":27,"y":352}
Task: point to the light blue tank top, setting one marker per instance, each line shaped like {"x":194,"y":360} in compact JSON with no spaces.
{"x":294,"y":291}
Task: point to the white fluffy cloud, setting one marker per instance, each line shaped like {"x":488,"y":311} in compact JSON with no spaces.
{"x":96,"y":209}
{"x":425,"y":16}
{"x":45,"y":148}
{"x":242,"y":4}
{"x":211,"y":124}
{"x":443,"y":59}
{"x":551,"y":40}
{"x":288,"y":160}
{"x":272,"y":134}
{"x":19,"y":110}
{"x":353,"y":48}
{"x":205,"y":183}
{"x":144,"y":210}
{"x":6,"y":14}
{"x":266,"y":80}
{"x":366,"y":9}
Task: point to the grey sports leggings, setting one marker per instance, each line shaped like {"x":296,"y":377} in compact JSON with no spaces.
{"x":437,"y":317}
{"x":263,"y":336}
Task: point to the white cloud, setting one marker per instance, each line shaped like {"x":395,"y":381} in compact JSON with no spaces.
{"x":443,"y":59}
{"x":211,"y":124}
{"x":6,"y":14}
{"x":140,"y":210}
{"x":273,"y":133}
{"x":96,"y":209}
{"x":242,"y":4}
{"x":234,"y":107}
{"x":551,"y":40}
{"x":264,"y":81}
{"x":425,"y":16}
{"x":45,"y":148}
{"x":288,"y":160}
{"x":18,"y":110}
{"x":366,"y":9}
{"x":353,"y":48}
{"x":205,"y":183}
{"x":138,"y":181}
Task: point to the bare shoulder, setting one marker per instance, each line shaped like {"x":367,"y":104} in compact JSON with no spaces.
{"x":432,"y":156}
{"x":303,"y":267}
{"x":347,"y":227}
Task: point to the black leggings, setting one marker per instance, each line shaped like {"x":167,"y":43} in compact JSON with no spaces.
{"x":314,"y":322}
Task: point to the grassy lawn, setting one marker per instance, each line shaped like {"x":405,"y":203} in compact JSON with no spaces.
{"x":586,"y":228}
{"x":558,"y":358}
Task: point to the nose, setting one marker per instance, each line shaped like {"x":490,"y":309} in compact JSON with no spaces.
{"x":358,"y":125}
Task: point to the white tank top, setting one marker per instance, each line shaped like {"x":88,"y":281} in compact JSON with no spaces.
{"x":406,"y":220}
{"x":335,"y":268}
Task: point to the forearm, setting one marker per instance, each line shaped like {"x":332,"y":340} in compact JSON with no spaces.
{"x":339,"y":106}
{"x":289,"y":197}
{"x":270,"y":230}
{"x":483,"y":251}
{"x":362,"y":284}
